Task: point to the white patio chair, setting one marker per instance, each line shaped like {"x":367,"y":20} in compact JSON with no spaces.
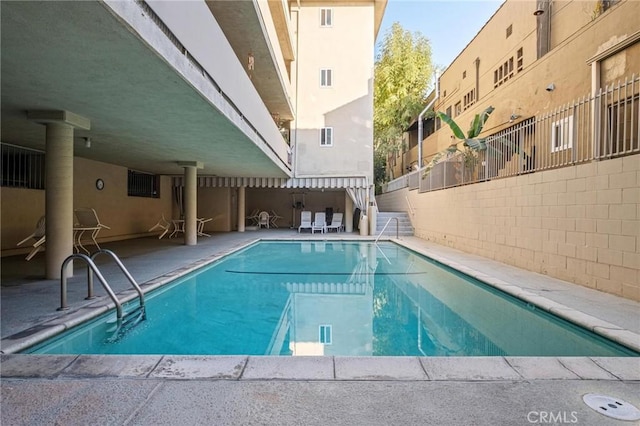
{"x":263,"y":219}
{"x":336,"y":223}
{"x":87,"y":221}
{"x":319,"y":223}
{"x":253,"y":217}
{"x":201,"y":222}
{"x":163,"y":224}
{"x":273,"y":219}
{"x":38,"y":235}
{"x":305,"y":220}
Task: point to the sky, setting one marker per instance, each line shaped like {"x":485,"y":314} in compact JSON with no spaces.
{"x":448,"y":24}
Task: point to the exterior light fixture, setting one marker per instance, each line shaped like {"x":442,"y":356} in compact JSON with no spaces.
{"x":550,"y":88}
{"x":87,"y":142}
{"x":538,"y":12}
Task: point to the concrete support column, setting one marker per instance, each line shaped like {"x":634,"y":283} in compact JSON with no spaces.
{"x":58,"y":198}
{"x":241,"y":208}
{"x":190,"y":201}
{"x":59,"y":185}
{"x":348,"y":213}
{"x":373,"y":213}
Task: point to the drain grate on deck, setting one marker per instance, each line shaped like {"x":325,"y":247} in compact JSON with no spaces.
{"x":612,"y":407}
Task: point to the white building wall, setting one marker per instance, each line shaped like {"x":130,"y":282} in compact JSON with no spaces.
{"x":347,"y":106}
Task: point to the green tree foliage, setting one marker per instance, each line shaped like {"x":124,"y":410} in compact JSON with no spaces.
{"x":379,"y":169}
{"x":403,"y":71}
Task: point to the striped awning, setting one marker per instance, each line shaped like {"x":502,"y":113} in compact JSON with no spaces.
{"x":316,"y":182}
{"x":328,"y":288}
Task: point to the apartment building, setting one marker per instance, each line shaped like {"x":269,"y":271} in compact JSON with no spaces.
{"x":199,"y":109}
{"x":556,"y":190}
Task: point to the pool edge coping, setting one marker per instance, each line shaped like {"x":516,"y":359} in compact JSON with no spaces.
{"x":596,"y":325}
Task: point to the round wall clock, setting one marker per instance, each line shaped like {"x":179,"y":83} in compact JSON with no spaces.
{"x":99,"y":184}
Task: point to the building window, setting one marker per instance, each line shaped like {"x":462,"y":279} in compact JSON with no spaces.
{"x":464,"y":74}
{"x":326,"y":17}
{"x":503,"y":73}
{"x":509,"y":30}
{"x":448,"y":111}
{"x":445,"y":94}
{"x":143,"y":185}
{"x":326,"y":136}
{"x":621,"y":129}
{"x":562,"y":134}
{"x":458,"y":109}
{"x":519,"y":61}
{"x":469,"y":99}
{"x":325,"y":334}
{"x":22,"y":167}
{"x":326,"y":78}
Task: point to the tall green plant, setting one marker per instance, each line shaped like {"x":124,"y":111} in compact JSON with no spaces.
{"x":403,"y":69}
{"x":471,"y":139}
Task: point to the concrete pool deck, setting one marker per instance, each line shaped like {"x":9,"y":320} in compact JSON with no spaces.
{"x":38,"y":389}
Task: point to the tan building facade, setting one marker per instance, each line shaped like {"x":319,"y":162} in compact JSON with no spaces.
{"x":556,"y":192}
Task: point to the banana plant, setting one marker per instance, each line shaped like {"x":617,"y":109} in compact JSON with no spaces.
{"x":471,"y":139}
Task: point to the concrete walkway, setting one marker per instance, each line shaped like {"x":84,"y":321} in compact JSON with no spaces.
{"x":300,"y":390}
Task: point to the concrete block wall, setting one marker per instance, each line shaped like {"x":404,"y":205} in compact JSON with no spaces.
{"x":580,"y":224}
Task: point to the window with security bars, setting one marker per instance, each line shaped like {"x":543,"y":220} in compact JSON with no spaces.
{"x":326,"y":17}
{"x":326,"y":136}
{"x":562,"y":134}
{"x":141,"y":184}
{"x":326,"y":78}
{"x":22,"y":167}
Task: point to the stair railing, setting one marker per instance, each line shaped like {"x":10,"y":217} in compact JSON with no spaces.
{"x":385,"y":227}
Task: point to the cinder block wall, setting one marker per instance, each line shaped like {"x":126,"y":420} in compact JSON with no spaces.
{"x":580,"y":224}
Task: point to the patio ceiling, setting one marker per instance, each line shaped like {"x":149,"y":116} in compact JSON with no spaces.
{"x":78,"y":56}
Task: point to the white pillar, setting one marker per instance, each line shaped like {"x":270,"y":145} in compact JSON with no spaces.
{"x":348,"y":212}
{"x":59,"y":185}
{"x":373,"y":214}
{"x":190,"y":201}
{"x":58,"y":198}
{"x":241,"y":208}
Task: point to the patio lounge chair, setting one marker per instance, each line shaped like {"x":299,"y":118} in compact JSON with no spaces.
{"x":305,"y":220}
{"x":87,"y":221}
{"x":162,"y":224}
{"x":319,"y":223}
{"x":336,"y":223}
{"x":38,"y":235}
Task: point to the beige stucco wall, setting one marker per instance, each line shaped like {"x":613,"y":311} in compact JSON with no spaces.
{"x":348,"y":105}
{"x":580,"y":224}
{"x":575,"y":39}
{"x":128,"y":217}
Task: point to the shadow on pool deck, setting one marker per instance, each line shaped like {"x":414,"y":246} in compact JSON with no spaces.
{"x":301,"y":390}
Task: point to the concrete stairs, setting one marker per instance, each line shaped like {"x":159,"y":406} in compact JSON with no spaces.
{"x":404,"y":224}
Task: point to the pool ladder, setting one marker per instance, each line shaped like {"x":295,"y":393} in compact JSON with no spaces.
{"x":133,"y":316}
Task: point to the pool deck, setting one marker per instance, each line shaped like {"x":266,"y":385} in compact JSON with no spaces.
{"x":51,"y":389}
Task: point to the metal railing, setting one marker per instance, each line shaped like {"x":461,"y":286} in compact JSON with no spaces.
{"x":93,"y":269}
{"x":598,"y":127}
{"x":385,"y":227}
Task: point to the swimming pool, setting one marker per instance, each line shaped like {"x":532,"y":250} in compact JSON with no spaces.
{"x":334,"y":298}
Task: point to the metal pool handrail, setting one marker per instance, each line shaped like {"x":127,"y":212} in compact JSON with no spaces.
{"x":124,"y":271}
{"x":385,"y":227}
{"x":91,"y":267}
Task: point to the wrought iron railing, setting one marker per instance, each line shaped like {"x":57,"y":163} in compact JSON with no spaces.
{"x":598,"y":127}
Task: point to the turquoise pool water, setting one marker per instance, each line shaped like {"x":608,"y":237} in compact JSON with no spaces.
{"x":333,"y":298}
